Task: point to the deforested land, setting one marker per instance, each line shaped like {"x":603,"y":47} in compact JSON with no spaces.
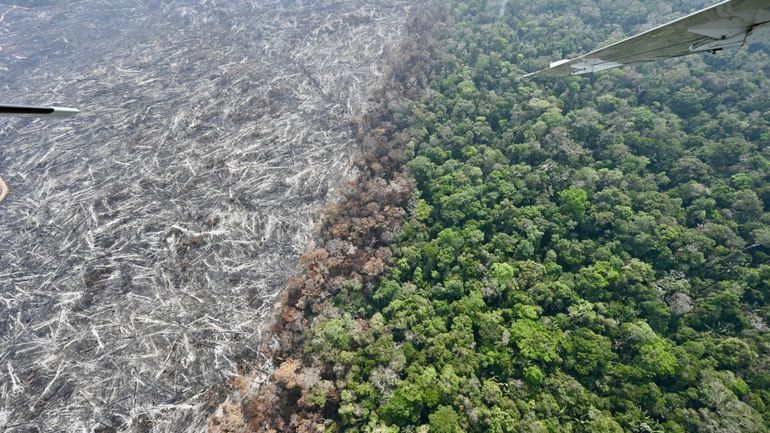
{"x":144,"y":241}
{"x":469,"y":251}
{"x":576,"y":255}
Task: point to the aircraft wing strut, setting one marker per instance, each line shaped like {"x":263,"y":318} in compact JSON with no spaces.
{"x":28,"y":111}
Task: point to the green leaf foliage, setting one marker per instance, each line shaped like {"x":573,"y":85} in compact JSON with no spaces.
{"x":584,"y":254}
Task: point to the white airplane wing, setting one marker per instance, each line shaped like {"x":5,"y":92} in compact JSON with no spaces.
{"x":27,"y":111}
{"x":732,"y":23}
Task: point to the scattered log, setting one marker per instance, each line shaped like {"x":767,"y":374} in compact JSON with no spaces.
{"x":148,"y":237}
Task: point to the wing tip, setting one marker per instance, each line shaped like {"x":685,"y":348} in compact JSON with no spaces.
{"x":544,"y":73}
{"x":64,"y":112}
{"x":553,"y":70}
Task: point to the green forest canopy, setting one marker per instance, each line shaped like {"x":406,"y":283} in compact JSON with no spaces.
{"x":582,"y":255}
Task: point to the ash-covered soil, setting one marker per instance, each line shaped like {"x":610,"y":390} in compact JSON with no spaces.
{"x":143,"y":242}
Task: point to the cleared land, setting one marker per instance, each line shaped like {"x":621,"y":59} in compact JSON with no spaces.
{"x":143,"y":242}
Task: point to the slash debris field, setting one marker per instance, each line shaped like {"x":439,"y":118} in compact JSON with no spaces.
{"x":143,"y":242}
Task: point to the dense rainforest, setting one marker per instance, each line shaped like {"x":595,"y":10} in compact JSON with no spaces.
{"x":586,"y":254}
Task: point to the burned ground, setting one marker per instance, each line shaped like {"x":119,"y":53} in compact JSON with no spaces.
{"x":143,"y":242}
